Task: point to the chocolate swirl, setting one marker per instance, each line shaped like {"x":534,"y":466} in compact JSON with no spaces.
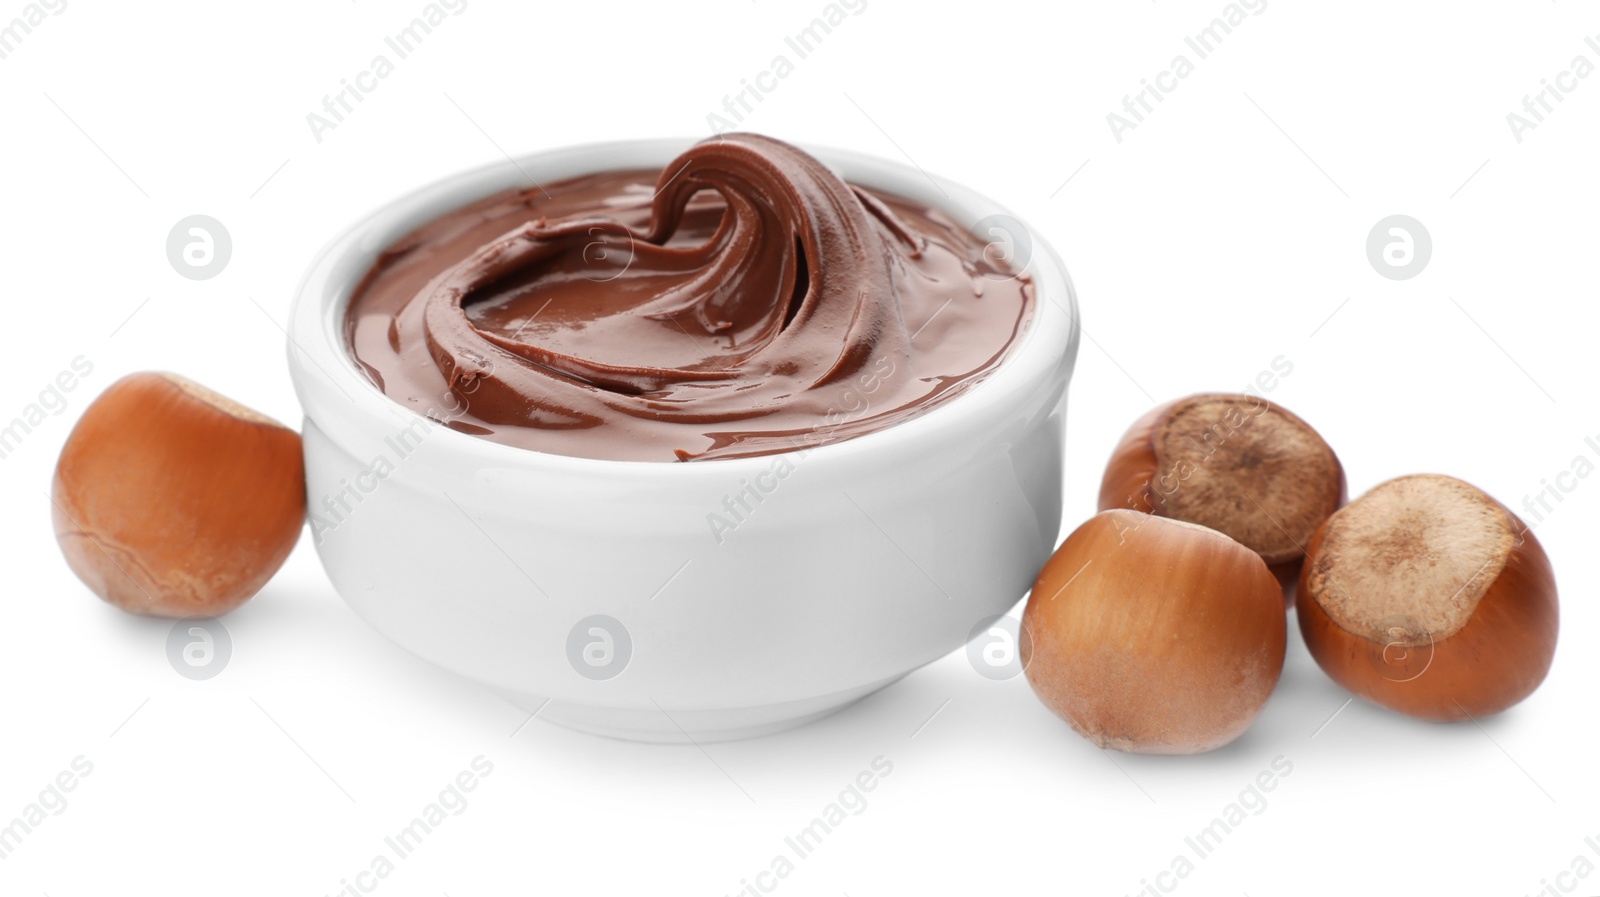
{"x":755,"y":303}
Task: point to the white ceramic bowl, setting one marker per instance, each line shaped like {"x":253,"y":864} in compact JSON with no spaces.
{"x":596,"y":592}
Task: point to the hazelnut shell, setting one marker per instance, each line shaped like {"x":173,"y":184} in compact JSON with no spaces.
{"x":1154,"y":635}
{"x":174,"y":501}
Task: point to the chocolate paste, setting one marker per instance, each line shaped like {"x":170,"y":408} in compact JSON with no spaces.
{"x":741,"y":301}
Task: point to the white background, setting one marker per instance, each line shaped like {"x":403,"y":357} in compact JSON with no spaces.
{"x":1226,"y":230}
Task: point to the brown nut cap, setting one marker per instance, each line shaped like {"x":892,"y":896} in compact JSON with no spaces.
{"x":1154,"y":635}
{"x":1429,"y":597}
{"x":174,"y":501}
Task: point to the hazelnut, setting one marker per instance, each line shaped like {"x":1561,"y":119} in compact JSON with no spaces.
{"x":1429,"y":597}
{"x":1154,"y":635}
{"x":1239,"y":464}
{"x":174,"y":501}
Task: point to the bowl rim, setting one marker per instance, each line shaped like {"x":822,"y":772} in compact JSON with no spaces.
{"x":316,"y":323}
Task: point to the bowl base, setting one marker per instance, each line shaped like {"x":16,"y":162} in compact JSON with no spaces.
{"x":658,"y":725}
